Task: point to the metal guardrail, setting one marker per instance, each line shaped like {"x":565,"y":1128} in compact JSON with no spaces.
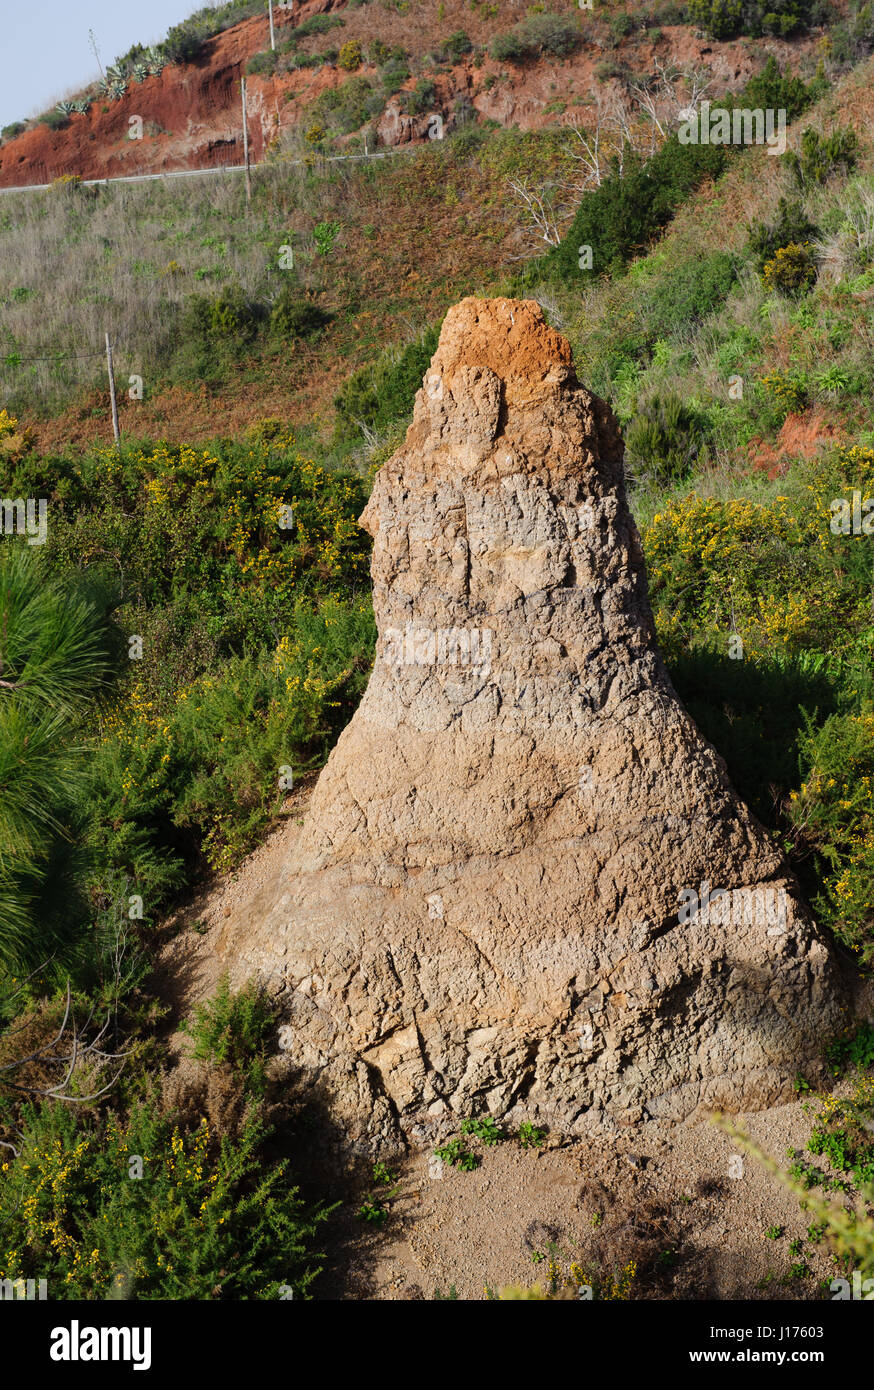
{"x":193,"y":173}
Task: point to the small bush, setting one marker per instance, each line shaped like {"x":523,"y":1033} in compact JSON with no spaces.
{"x":394,"y":74}
{"x":316,"y":24}
{"x":262,"y":64}
{"x":206,"y":1220}
{"x":536,"y":35}
{"x":181,"y":45}
{"x":621,"y":25}
{"x":350,"y":56}
{"x":232,"y":1028}
{"x":213,"y":331}
{"x":421,"y":98}
{"x":821,"y":156}
{"x":508,"y":48}
{"x":664,"y":438}
{"x":348,"y":107}
{"x":770,"y":89}
{"x":55,"y":120}
{"x":293,"y":318}
{"x":721,"y":18}
{"x":788,"y":390}
{"x":467,"y":141}
{"x":834,"y":812}
{"x":458,"y":1155}
{"x":791,"y":271}
{"x":10,"y":131}
{"x":792,"y":225}
{"x":486,"y":1129}
{"x":457,"y":45}
{"x":695,"y":290}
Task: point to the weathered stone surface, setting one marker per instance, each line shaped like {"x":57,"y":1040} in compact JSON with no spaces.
{"x":482,"y":911}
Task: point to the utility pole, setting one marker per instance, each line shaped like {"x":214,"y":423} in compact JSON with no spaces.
{"x":246,"y":144}
{"x":115,"y":428}
{"x":272,"y":34}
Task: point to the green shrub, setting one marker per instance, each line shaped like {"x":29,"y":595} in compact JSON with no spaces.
{"x":182,"y":44}
{"x":212,"y":331}
{"x":232,"y":1028}
{"x":486,"y":1129}
{"x":822,"y":156}
{"x":257,"y":640}
{"x":324,"y":235}
{"x":421,"y":98}
{"x":457,"y":45}
{"x":536,"y":35}
{"x":58,"y":652}
{"x":293,"y":318}
{"x":10,"y":131}
{"x":621,"y":25}
{"x":262,"y":64}
{"x":664,"y":438}
{"x":852,"y":38}
{"x":721,"y":18}
{"x":346,"y":108}
{"x":208,"y":1219}
{"x":316,"y":24}
{"x":378,"y":396}
{"x":792,"y":225}
{"x":458,"y":1155}
{"x":788,"y":390}
{"x":508,"y":48}
{"x":771,"y":90}
{"x":184,"y":41}
{"x":622,"y":216}
{"x":468,"y":140}
{"x":394,"y":74}
{"x":695,"y":289}
{"x":55,"y":120}
{"x":834,"y":815}
{"x":724,"y":19}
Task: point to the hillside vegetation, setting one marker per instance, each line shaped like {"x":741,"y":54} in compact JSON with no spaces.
{"x":211,"y":570}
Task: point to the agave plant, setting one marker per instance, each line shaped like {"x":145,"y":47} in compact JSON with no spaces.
{"x":140,"y":72}
{"x":118,"y":89}
{"x":115,"y":74}
{"x":82,"y":105}
{"x":155,"y":61}
{"x":103,"y":86}
{"x":65,"y":107}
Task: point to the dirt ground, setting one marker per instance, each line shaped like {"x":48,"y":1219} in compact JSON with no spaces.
{"x":688,"y":1205}
{"x":686,"y":1202}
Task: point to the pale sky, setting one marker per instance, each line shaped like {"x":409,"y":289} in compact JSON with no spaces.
{"x":46,"y":51}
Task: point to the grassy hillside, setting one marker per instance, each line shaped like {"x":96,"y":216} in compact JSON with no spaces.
{"x":727,"y":315}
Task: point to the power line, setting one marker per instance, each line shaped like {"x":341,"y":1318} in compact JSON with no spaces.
{"x":18,"y":361}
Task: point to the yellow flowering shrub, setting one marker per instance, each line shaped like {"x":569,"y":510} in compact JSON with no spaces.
{"x":15,"y":440}
{"x":137,"y":1207}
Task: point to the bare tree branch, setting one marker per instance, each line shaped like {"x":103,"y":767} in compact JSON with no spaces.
{"x":540,"y":207}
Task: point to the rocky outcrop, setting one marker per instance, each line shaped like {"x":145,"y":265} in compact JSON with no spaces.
{"x":490,"y":906}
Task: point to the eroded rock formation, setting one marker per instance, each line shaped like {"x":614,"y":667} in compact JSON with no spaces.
{"x":483,"y":911}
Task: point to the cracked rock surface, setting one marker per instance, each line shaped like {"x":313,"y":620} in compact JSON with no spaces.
{"x":482,"y":911}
